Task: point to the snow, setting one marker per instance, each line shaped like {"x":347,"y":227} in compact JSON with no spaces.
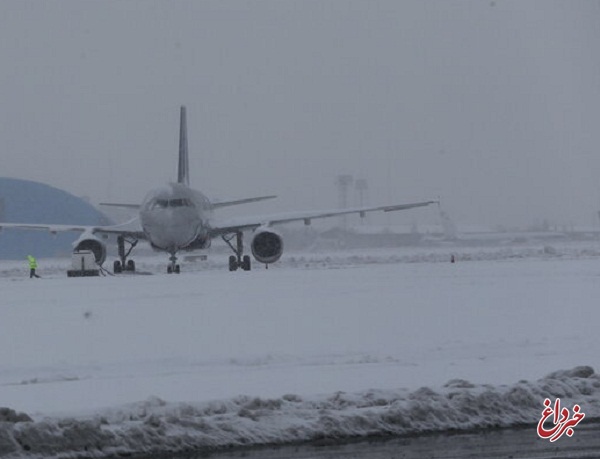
{"x":335,"y":344}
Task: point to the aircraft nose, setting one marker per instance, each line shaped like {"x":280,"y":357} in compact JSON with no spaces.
{"x":170,"y":231}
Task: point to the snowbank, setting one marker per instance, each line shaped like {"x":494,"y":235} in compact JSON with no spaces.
{"x":156,"y":426}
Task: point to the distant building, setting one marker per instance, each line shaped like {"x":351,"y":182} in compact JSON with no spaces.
{"x":23,"y":201}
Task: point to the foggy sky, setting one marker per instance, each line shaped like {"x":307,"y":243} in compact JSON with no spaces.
{"x":491,"y":105}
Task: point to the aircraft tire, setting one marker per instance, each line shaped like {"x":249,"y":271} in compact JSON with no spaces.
{"x":177,"y":269}
{"x":117,"y":268}
{"x":233,"y":265}
{"x":131,"y":265}
{"x":169,"y":270}
{"x":246,"y":263}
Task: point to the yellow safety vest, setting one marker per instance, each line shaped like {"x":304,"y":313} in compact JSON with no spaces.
{"x":32,"y":262}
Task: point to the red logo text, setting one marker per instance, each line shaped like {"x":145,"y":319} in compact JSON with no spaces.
{"x":561,"y":420}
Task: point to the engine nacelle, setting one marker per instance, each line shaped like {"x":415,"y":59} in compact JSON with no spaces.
{"x":266,"y":245}
{"x":92,"y":243}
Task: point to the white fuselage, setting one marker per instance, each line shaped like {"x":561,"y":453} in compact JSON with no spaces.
{"x":175,"y":217}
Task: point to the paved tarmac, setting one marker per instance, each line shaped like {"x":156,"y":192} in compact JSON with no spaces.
{"x":518,"y":443}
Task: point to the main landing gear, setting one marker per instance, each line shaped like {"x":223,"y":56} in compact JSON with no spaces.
{"x":238,"y":260}
{"x":123,"y":264}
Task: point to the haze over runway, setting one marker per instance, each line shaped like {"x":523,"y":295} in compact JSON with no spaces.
{"x":491,"y":105}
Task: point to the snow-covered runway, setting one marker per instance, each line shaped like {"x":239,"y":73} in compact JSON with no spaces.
{"x":298,"y":333}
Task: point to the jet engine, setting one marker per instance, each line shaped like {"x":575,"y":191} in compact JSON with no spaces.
{"x":90,"y":242}
{"x":266,"y":245}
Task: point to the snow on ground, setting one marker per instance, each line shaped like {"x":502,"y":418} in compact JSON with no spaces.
{"x":339,"y":344}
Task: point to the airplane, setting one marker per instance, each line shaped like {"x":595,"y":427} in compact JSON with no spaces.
{"x":178,"y":218}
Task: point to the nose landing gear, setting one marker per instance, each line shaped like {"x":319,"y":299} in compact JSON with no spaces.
{"x":173,"y":267}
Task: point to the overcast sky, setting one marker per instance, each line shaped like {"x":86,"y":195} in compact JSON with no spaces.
{"x":492,"y":105}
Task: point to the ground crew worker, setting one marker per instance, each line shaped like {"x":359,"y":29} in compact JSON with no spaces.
{"x":32,"y":267}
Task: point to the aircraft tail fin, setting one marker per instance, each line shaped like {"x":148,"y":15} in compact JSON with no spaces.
{"x":183,"y":166}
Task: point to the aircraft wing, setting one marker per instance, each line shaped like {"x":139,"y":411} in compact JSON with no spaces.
{"x":125,"y":206}
{"x":130,"y":228}
{"x":215,"y":204}
{"x":218,"y":204}
{"x":238,"y":224}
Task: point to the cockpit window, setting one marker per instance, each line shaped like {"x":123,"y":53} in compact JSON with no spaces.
{"x":164,"y":203}
{"x":160,"y":204}
{"x":178,"y":203}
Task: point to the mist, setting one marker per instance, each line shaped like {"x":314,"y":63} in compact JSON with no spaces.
{"x":492,"y":106}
